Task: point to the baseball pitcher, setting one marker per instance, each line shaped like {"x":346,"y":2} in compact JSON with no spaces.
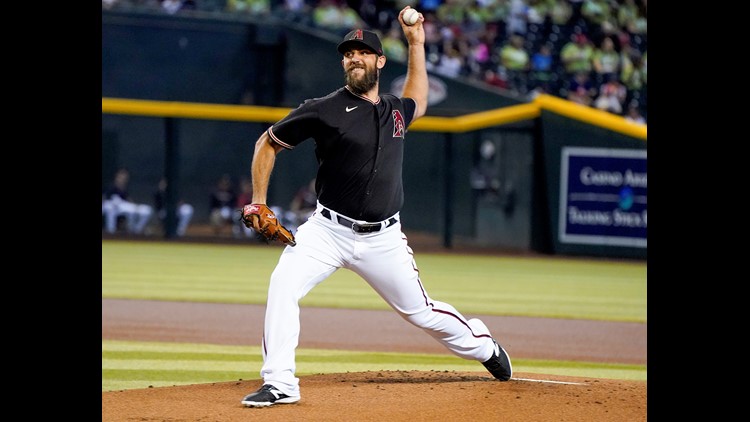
{"x":359,"y":136}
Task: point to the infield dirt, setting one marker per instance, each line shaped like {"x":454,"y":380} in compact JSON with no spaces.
{"x":383,"y":395}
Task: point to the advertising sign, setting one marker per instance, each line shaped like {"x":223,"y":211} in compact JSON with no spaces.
{"x":603,"y":194}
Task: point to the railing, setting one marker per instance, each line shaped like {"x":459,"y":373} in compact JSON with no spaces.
{"x":458,"y":124}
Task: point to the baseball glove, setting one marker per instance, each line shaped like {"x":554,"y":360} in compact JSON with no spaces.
{"x":260,"y":218}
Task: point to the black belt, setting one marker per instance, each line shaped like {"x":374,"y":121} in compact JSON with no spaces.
{"x":356,"y":227}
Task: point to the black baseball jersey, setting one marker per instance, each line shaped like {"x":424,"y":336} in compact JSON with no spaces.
{"x":359,"y":147}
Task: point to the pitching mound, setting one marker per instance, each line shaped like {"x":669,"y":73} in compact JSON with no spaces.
{"x":393,"y":396}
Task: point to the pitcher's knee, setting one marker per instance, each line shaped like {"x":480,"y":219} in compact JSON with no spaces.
{"x":427,"y":319}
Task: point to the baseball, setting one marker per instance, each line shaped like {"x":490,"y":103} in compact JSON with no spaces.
{"x":411,"y":16}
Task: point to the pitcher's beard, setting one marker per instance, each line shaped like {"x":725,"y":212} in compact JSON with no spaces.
{"x":362,"y":85}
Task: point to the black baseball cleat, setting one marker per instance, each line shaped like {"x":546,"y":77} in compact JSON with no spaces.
{"x":266,"y":396}
{"x":499,"y":364}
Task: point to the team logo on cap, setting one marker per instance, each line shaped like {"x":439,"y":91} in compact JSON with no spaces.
{"x":398,"y":124}
{"x":357,"y":35}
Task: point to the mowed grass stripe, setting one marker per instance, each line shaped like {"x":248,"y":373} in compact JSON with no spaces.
{"x":155,"y":346}
{"x":181,"y":364}
{"x":128,"y":364}
{"x":113,"y":356}
{"x":516,"y":286}
{"x":113,"y":379}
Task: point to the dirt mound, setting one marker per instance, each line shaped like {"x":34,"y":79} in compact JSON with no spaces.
{"x":393,"y":396}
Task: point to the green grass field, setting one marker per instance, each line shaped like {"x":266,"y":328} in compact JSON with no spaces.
{"x":493,"y":285}
{"x":520,"y":286}
{"x":128,"y":364}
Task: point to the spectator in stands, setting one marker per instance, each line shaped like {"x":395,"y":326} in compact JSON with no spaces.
{"x":245,"y":197}
{"x":605,"y":61}
{"x":516,"y":22}
{"x":371,"y":12}
{"x":222,"y":205}
{"x":580,"y":89}
{"x":627,"y":14}
{"x":639,"y":26}
{"x":293,"y":11}
{"x":109,"y":4}
{"x":451,"y":63}
{"x":560,"y":13}
{"x":116,"y":203}
{"x":458,"y":24}
{"x":184,"y":211}
{"x":537,"y":12}
{"x":304,"y":202}
{"x":632,"y":72}
{"x":541,"y":67}
{"x":543,"y":88}
{"x":633,"y":115}
{"x":611,"y":97}
{"x":171,"y":6}
{"x":393,"y":45}
{"x":252,"y":7}
{"x":246,"y":193}
{"x":515,"y":60}
{"x":336,"y":16}
{"x":596,"y":13}
{"x":499,"y":12}
{"x":494,"y":78}
{"x":451,"y":12}
{"x":476,"y":18}
{"x":576,"y":16}
{"x":576,"y":55}
{"x":433,"y":40}
{"x":349,"y":17}
{"x":644,"y":67}
{"x":428,"y":5}
{"x":480,"y":58}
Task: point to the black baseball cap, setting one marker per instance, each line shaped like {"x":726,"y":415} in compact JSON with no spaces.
{"x":362,"y":37}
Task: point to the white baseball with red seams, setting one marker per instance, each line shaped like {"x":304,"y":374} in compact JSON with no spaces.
{"x":411,"y":16}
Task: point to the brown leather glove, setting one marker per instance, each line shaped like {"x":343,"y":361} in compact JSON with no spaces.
{"x":260,"y":218}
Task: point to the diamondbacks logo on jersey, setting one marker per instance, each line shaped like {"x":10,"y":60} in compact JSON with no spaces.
{"x":398,"y":125}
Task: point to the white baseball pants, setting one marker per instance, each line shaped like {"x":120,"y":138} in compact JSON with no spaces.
{"x":385,"y":261}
